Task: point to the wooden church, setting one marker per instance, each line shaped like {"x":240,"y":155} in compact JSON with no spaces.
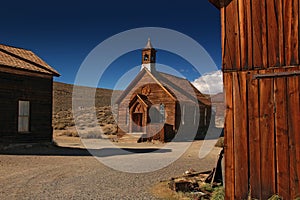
{"x":157,"y":105}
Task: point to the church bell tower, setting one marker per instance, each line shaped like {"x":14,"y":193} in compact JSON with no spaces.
{"x":149,"y":57}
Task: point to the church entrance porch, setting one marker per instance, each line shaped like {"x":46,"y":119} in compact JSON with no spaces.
{"x":137,"y":125}
{"x":138,"y":111}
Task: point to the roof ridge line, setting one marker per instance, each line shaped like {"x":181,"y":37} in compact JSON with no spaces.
{"x":173,"y":75}
{"x":160,"y":84}
{"x":29,"y":61}
{"x":1,"y":44}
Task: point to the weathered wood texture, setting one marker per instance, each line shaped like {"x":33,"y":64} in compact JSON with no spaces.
{"x":185,"y":115}
{"x":36,"y":90}
{"x":260,"y":39}
{"x":260,"y":34}
{"x":262,"y":135}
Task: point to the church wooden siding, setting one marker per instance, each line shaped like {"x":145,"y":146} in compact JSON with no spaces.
{"x":175,"y":117}
{"x":157,"y":96}
{"x":260,"y":53}
{"x":38,"y":91}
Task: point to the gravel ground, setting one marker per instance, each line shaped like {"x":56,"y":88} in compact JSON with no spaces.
{"x":48,"y":172}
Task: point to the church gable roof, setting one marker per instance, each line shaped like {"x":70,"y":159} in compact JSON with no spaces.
{"x":179,"y":89}
{"x":137,"y":79}
{"x":23,"y":59}
{"x":185,"y":91}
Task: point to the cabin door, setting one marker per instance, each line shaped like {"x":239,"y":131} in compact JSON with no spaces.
{"x":137,"y":119}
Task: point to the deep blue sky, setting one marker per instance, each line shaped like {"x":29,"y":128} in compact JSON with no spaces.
{"x":63,"y":33}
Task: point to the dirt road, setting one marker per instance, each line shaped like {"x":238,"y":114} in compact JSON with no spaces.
{"x":49,"y":172}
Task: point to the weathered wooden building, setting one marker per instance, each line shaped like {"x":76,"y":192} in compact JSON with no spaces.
{"x":218,"y":107}
{"x":260,"y":50}
{"x":25,"y":96}
{"x":159,"y":104}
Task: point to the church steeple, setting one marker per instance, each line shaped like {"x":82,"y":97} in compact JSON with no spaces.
{"x":149,"y":57}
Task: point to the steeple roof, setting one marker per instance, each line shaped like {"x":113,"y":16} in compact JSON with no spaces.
{"x":148,"y":45}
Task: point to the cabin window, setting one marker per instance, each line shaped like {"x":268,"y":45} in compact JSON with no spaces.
{"x":24,"y":115}
{"x":162,"y":113}
{"x":183,"y":114}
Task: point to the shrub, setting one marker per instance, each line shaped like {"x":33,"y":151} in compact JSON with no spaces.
{"x":218,"y":194}
{"x":220,"y":142}
{"x":206,"y":187}
{"x":92,"y":135}
{"x":275,"y":197}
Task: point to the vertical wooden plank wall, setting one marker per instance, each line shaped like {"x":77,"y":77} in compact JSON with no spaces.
{"x":229,"y":139}
{"x":240,"y":134}
{"x":293,"y":133}
{"x":282,"y":139}
{"x":254,"y":137}
{"x":266,"y":124}
{"x":262,"y":140}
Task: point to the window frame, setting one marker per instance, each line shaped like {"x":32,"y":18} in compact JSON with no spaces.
{"x":24,"y":114}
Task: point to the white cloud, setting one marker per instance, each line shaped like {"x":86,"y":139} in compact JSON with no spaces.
{"x":210,"y":83}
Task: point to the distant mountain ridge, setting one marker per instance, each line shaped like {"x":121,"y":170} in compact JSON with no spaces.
{"x":62,"y":96}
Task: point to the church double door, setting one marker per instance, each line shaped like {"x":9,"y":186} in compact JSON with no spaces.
{"x":137,"y":125}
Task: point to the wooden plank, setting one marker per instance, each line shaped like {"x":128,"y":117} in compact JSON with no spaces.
{"x":229,"y":137}
{"x":287,"y":16}
{"x":223,"y":34}
{"x":267,"y":139}
{"x":248,"y":5}
{"x":295,"y":33}
{"x":237,"y":47}
{"x":243,"y":34}
{"x":279,"y":11}
{"x":264,"y":33}
{"x":257,"y":35}
{"x":282,"y":140}
{"x":240,"y":134}
{"x":294,"y":138}
{"x":231,"y":58}
{"x":254,"y":136}
{"x":273,"y":34}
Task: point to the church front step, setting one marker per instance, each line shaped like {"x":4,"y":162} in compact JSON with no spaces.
{"x":130,"y":138}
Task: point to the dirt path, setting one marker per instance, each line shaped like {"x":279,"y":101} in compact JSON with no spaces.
{"x":72,"y":173}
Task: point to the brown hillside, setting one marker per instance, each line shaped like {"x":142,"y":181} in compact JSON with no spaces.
{"x":62,"y":96}
{"x":62,"y":109}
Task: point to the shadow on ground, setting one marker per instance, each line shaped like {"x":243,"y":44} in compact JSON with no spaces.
{"x":53,"y":150}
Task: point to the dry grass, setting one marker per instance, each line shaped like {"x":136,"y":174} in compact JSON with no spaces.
{"x":62,"y":96}
{"x":91,"y":135}
{"x":70,"y":133}
{"x":63,"y":118}
{"x":162,"y":191}
{"x":218,"y":194}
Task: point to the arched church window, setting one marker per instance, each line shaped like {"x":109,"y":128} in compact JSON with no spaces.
{"x":127,"y":116}
{"x":183,"y":115}
{"x":162,"y":113}
{"x":195,"y":115}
